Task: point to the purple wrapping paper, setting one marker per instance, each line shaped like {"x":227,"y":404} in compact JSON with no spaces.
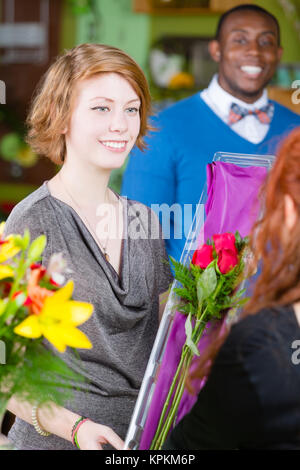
{"x":232,"y":204}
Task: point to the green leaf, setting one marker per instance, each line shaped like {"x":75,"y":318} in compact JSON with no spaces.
{"x":15,"y":304}
{"x":186,"y":309}
{"x":181,"y":273}
{"x":195,"y":270}
{"x":43,"y":375}
{"x":200,"y":292}
{"x":206,"y":283}
{"x":243,"y":301}
{"x":36,"y":249}
{"x":240,"y":293}
{"x":26,"y":239}
{"x":246,"y":240}
{"x":237,"y":297}
{"x":183,"y":293}
{"x":238,"y":240}
{"x":3,"y":304}
{"x":189,"y":331}
{"x":22,"y":242}
{"x":18,"y":241}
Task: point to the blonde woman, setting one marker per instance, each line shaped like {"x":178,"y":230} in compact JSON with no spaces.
{"x":89,"y":111}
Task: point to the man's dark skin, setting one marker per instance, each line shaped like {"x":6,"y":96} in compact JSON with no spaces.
{"x":247,"y":38}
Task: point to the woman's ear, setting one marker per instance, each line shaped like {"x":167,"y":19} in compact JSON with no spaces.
{"x":290,"y":212}
{"x":214,"y":50}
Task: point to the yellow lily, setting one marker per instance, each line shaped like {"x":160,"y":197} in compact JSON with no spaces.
{"x":7,"y":246}
{"x":2,"y":226}
{"x":58,"y":319}
{"x":5,"y":271}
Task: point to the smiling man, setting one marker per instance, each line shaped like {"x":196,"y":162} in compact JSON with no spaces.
{"x":247,"y":47}
{"x":233,"y":114}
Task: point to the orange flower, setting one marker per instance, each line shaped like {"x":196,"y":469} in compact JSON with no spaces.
{"x":181,"y":80}
{"x":58,"y":321}
{"x":36,"y":293}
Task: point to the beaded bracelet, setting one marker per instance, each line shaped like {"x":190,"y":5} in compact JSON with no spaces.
{"x":36,"y":424}
{"x":75,"y":428}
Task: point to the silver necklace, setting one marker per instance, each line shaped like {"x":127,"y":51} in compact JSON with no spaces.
{"x":103,"y":247}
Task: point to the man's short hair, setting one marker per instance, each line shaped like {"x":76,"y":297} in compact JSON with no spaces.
{"x":245,"y":7}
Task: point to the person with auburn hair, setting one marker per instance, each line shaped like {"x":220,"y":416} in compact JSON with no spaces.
{"x":89,"y":110}
{"x":251,"y":398}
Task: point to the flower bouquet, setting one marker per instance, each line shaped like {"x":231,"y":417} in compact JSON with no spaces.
{"x":210,"y":288}
{"x":34,"y":306}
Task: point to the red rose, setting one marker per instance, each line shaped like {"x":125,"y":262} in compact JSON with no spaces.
{"x":225,"y":241}
{"x":227,"y":259}
{"x":226,"y":251}
{"x":203,"y":256}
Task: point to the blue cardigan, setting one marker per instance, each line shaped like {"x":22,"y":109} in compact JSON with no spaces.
{"x":173,"y":168}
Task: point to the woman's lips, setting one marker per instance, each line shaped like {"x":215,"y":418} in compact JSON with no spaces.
{"x":118,"y":146}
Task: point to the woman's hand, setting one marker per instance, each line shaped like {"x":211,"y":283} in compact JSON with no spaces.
{"x":91,"y":436}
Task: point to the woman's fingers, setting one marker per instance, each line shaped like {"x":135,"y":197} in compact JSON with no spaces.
{"x":92,"y":436}
{"x":113,"y":439}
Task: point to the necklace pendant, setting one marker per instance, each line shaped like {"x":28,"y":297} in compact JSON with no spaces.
{"x":106,"y":256}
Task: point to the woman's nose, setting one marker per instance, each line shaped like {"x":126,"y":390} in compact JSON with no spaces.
{"x":118,"y":122}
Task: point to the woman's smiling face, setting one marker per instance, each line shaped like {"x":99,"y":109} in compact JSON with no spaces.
{"x":105,"y":121}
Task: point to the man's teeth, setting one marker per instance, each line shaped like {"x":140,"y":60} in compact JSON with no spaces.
{"x":115,"y":145}
{"x":251,"y":69}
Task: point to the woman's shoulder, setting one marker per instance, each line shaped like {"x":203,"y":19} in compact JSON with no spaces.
{"x":133,"y":204}
{"x":262,"y":329}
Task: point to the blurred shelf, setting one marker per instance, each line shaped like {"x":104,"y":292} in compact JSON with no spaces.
{"x":284,"y":97}
{"x":214,"y":7}
{"x":180,"y":11}
{"x":146,"y":6}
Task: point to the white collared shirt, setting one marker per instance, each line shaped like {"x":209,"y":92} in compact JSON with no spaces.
{"x":219,"y":100}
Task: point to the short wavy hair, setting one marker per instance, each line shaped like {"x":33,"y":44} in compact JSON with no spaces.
{"x":52,"y":105}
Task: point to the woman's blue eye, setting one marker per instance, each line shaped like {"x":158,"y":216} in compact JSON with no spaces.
{"x":132,"y":110}
{"x":103,"y":109}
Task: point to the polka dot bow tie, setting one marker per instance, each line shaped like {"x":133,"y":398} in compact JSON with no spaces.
{"x":264,"y":115}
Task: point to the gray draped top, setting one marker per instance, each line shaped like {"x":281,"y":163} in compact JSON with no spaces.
{"x":124,"y":323}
